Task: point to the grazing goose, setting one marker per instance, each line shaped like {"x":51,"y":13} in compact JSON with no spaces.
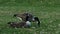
{"x":30,"y":17}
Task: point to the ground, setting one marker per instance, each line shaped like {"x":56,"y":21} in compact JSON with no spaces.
{"x":48,"y":12}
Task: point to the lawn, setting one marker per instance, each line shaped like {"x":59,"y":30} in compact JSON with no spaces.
{"x":48,"y":12}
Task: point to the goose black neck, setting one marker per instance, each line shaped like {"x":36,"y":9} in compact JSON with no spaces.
{"x":38,"y":23}
{"x":27,"y":18}
{"x":37,"y":19}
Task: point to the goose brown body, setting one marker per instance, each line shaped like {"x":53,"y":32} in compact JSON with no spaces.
{"x":18,"y":24}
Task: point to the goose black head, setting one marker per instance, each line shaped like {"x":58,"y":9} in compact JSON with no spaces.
{"x":37,"y":19}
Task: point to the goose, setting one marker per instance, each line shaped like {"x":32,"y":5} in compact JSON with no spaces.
{"x":19,"y":24}
{"x":30,"y":17}
{"x":25,"y":24}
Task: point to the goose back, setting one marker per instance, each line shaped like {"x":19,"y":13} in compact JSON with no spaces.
{"x":23,"y":16}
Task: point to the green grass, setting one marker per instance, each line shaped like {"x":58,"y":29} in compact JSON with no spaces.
{"x":48,"y":12}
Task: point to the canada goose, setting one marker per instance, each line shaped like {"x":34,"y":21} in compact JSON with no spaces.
{"x":20,"y":24}
{"x":30,"y":17}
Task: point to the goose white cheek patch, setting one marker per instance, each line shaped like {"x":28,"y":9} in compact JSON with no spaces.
{"x":19,"y":18}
